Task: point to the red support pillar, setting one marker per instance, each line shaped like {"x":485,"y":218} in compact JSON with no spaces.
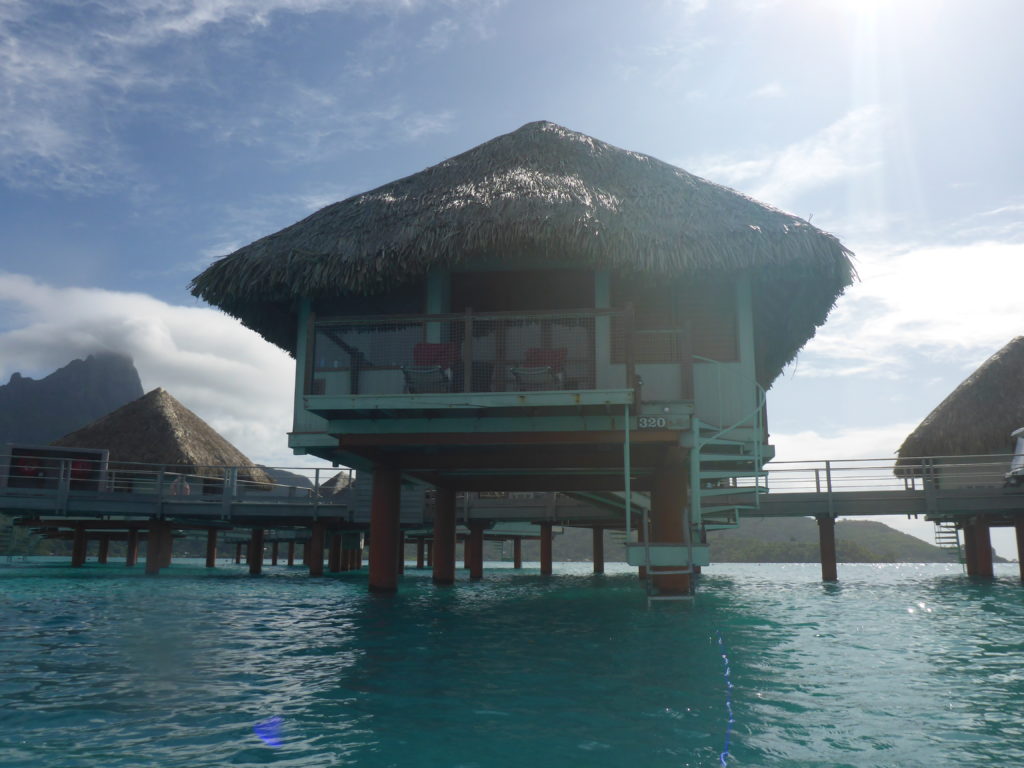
{"x":401,"y":552}
{"x":598,"y":534}
{"x":334,"y":554}
{"x":131,"y":556}
{"x":517,"y":552}
{"x":669,"y":488}
{"x":476,"y":560}
{"x":983,"y":543}
{"x":970,"y":549}
{"x":467,"y":551}
{"x":168,"y":545}
{"x":238,"y":553}
{"x":256,"y":552}
{"x":273,"y":553}
{"x":154,"y":547}
{"x":385,"y":530}
{"x":429,"y":544}
{"x":443,"y":548}
{"x":79,"y":546}
{"x":104,"y":552}
{"x":211,"y":547}
{"x":1020,"y":548}
{"x":291,"y":553}
{"x":545,"y":549}
{"x":421,"y":552}
{"x":827,"y":548}
{"x":315,"y":549}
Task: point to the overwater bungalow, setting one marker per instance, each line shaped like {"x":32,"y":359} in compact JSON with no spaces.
{"x":965,"y":442}
{"x":544,"y":312}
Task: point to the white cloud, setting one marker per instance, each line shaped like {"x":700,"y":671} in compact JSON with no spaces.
{"x":957,"y":302}
{"x":848,"y":148}
{"x":771,"y":90}
{"x":241,"y":385}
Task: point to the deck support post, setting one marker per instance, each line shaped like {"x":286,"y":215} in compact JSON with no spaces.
{"x":443,"y":546}
{"x":211,"y":547}
{"x":429,"y":544}
{"x":421,"y":553}
{"x":827,"y":547}
{"x":167,"y":552}
{"x":104,"y":552}
{"x":401,"y":552}
{"x":273,"y":552}
{"x":545,"y":549}
{"x":476,"y":544}
{"x":79,"y":545}
{"x":669,"y":489}
{"x":517,"y":552}
{"x":256,"y":552}
{"x":598,"y":548}
{"x":291,"y":553}
{"x":315,"y":549}
{"x":238,"y":552}
{"x":131,"y":557}
{"x":385,"y":529}
{"x":970,"y":549}
{"x":158,"y":530}
{"x":1020,"y":548}
{"x":334,"y":553}
{"x":983,"y":548}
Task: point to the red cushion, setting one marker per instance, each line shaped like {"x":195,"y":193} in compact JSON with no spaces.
{"x":553,"y":358}
{"x":435,"y":353}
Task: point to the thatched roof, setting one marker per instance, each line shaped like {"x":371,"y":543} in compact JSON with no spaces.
{"x":336,"y":484}
{"x":542,"y":191}
{"x":978,"y":416}
{"x":157,"y":429}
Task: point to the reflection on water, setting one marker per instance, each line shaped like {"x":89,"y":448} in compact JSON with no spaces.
{"x":910,"y":665}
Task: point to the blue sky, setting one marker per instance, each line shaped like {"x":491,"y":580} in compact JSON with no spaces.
{"x":141,"y":140}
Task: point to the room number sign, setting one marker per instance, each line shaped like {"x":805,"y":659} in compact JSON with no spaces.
{"x":651,"y":422}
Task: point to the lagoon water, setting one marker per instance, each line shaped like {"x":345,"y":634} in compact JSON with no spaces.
{"x":896,"y":665}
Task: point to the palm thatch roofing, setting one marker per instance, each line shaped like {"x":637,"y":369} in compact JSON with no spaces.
{"x":542,"y":191}
{"x":337,"y":483}
{"x":978,"y":416}
{"x":157,"y":429}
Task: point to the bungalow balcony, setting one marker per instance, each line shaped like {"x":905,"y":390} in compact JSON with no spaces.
{"x":510,"y":364}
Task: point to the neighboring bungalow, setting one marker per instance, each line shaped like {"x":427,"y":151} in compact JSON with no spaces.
{"x":545,"y":312}
{"x":156,"y":429}
{"x":966,"y":438}
{"x":965,"y":442}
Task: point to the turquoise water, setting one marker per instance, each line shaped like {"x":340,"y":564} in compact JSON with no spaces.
{"x":897,"y":665}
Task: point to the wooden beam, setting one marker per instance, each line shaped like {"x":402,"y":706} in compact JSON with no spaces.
{"x":597,"y":437}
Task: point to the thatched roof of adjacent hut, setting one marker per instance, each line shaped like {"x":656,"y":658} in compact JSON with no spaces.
{"x":336,"y":484}
{"x":157,"y":429}
{"x":978,"y":416}
{"x":542,"y":191}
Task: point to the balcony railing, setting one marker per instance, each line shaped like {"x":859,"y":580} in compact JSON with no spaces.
{"x":590,"y":349}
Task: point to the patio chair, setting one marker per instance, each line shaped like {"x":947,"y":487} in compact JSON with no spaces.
{"x":542,"y":370}
{"x":432,"y":368}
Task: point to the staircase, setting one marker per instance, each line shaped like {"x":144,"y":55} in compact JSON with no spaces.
{"x":947,"y":537}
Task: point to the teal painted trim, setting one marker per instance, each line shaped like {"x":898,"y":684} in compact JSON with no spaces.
{"x":438,"y":292}
{"x":602,"y":289}
{"x":745,"y":324}
{"x":460,"y":401}
{"x":304,"y":308}
{"x":307,"y":440}
{"x":594,"y":423}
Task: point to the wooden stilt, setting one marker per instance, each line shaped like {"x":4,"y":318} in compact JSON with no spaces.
{"x":517,"y":552}
{"x":132,"y":554}
{"x":384,"y":530}
{"x":256,"y":552}
{"x":79,"y":545}
{"x":421,"y":552}
{"x":546,"y":568}
{"x":827,"y":548}
{"x":104,"y":548}
{"x":1020,"y":548}
{"x":429,"y":544}
{"x":168,"y":545}
{"x":476,"y":544}
{"x":273,"y":553}
{"x":334,"y":554}
{"x":155,"y":546}
{"x":211,"y":547}
{"x":983,"y":543}
{"x":641,"y":572}
{"x":970,"y":549}
{"x":598,"y":547}
{"x":444,"y":537}
{"x":401,"y":552}
{"x":315,"y":549}
{"x":291,"y":553}
{"x":669,"y":488}
{"x":238,"y":553}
